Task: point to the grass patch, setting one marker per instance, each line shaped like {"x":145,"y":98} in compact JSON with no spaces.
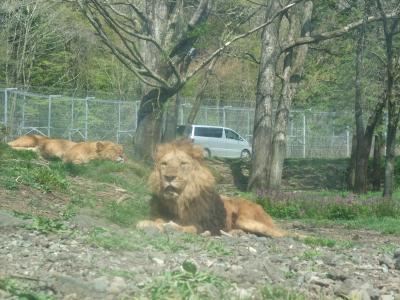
{"x":281,"y":293}
{"x":385,"y":225}
{"x":23,"y":168}
{"x":311,"y":254}
{"x":187,"y":283}
{"x":137,"y":240}
{"x":17,"y":290}
{"x":344,"y":206}
{"x":322,"y":242}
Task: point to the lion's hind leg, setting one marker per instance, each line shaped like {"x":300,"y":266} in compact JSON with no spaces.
{"x":259,"y":228}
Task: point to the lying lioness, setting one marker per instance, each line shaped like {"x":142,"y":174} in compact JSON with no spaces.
{"x":51,"y":148}
{"x":27,"y":142}
{"x":85,"y":151}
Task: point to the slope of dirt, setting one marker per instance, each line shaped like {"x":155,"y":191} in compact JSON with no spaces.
{"x":53,"y":249}
{"x":68,"y":265}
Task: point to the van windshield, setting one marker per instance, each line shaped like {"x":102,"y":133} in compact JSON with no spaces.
{"x":208,"y":132}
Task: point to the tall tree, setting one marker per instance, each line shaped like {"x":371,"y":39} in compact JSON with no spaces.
{"x":364,"y":134}
{"x":270,"y":52}
{"x":299,"y":24}
{"x":390,"y":29}
{"x":153,"y":39}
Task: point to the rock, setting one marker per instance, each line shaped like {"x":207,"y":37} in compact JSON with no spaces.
{"x":386,"y":297}
{"x":359,"y":295}
{"x":252,"y":250}
{"x":101,"y":284}
{"x":7,"y":220}
{"x":397,"y":263}
{"x":117,"y":285}
{"x":320,"y":281}
{"x":386,"y":260}
{"x":158,"y":261}
{"x":396,"y":253}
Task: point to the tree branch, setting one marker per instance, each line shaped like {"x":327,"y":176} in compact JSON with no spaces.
{"x":241,"y":36}
{"x":316,"y":38}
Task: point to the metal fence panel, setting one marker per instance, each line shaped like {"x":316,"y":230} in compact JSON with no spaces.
{"x":309,"y":134}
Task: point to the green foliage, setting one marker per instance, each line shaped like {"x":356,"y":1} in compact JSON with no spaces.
{"x":281,"y":293}
{"x":331,"y":207}
{"x":45,"y":225}
{"x":127,"y":212}
{"x":315,"y":241}
{"x":22,"y":168}
{"x":16,"y":289}
{"x":311,"y":254}
{"x":186,"y":283}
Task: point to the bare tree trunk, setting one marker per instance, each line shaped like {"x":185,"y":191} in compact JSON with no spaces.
{"x":199,"y":96}
{"x":262,"y":133}
{"x":171,"y":120}
{"x":376,"y":163}
{"x":390,"y":29}
{"x":361,"y":153}
{"x":148,"y":133}
{"x":292,"y":68}
{"x":352,"y":164}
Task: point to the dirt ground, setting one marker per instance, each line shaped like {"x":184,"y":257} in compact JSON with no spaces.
{"x":77,"y":263}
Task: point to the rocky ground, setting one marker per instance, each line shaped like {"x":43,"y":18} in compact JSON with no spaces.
{"x":78,"y":259}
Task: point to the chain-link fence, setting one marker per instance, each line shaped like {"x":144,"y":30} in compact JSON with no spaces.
{"x":310,"y":134}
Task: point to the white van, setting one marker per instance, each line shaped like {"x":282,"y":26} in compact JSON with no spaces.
{"x":218,"y":141}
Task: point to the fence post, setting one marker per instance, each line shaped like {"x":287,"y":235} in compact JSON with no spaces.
{"x":6,"y":104}
{"x":224,"y":115}
{"x":181,"y":113}
{"x":119,"y":121}
{"x":136,"y":114}
{"x":72,"y":120}
{"x":347,"y":142}
{"x":49,"y":114}
{"x":87,"y":116}
{"x":304,"y":134}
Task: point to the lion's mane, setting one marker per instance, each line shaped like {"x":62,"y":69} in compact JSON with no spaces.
{"x":198,"y":203}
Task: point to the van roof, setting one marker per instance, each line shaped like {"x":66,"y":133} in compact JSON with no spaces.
{"x":208,"y":126}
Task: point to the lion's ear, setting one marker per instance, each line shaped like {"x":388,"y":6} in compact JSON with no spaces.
{"x":198,"y":152}
{"x":99,"y":146}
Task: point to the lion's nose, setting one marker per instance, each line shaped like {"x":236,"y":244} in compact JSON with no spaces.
{"x":169,"y":178}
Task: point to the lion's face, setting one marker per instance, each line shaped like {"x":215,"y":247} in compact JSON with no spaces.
{"x":179,"y":172}
{"x":109,"y":150}
{"x":176,"y":169}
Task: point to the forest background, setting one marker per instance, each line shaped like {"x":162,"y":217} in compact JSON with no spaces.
{"x":51,"y":47}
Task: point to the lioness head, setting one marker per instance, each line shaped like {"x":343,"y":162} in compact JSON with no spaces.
{"x":110,"y":150}
{"x":179,"y":171}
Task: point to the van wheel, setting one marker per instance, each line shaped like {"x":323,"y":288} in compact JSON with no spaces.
{"x":207,"y":153}
{"x":245,"y":155}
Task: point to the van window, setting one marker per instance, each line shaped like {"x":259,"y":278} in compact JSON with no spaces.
{"x":208,"y":132}
{"x":232,"y":135}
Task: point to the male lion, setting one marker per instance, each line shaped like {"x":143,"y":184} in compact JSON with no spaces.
{"x":184,"y":192}
{"x":85,"y":151}
{"x":51,"y":148}
{"x":27,"y":142}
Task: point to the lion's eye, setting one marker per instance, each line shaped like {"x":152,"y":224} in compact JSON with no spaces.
{"x":163,"y":164}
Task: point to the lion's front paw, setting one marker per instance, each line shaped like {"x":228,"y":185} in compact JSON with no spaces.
{"x":172,"y":226}
{"x":148,"y":224}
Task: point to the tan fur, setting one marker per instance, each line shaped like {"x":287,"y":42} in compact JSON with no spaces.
{"x":27,"y":142}
{"x":51,"y":148}
{"x":184,"y":192}
{"x":87,"y":151}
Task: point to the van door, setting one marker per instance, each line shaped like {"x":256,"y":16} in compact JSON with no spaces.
{"x":210,"y":138}
{"x":234,"y":144}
